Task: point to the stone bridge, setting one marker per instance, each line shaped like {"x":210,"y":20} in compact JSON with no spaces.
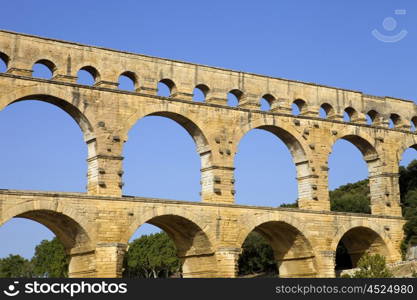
{"x":96,"y":226}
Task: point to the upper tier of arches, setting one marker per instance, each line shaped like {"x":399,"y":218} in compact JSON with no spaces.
{"x":65,"y":60}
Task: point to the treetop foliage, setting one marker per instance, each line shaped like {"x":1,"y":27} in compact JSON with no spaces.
{"x":371,"y":266}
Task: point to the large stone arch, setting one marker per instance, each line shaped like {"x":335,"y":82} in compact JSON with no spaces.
{"x":293,"y":251}
{"x":190,"y":122}
{"x":362,"y":141}
{"x":365,"y":145}
{"x":284,"y":131}
{"x":195,"y":128}
{"x":72,"y":103}
{"x":75,"y":233}
{"x":371,"y":156}
{"x":193,"y":241}
{"x":300,"y":152}
{"x":360,"y":237}
{"x":410,"y":142}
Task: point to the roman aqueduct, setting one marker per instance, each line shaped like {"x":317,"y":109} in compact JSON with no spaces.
{"x":96,"y":226}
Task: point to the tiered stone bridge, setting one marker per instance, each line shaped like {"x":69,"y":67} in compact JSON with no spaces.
{"x":96,"y":226}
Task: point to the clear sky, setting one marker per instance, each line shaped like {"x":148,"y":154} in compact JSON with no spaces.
{"x":326,"y":42}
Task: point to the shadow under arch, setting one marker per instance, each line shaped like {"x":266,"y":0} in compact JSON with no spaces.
{"x":361,"y":239}
{"x":194,"y":247}
{"x":368,"y":151}
{"x":74,"y":236}
{"x":293,"y":252}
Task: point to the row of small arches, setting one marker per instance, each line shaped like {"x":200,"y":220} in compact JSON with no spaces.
{"x":89,"y":75}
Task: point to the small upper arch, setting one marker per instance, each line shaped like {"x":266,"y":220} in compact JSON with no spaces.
{"x":166,"y":87}
{"x":4,"y":59}
{"x":233,"y":97}
{"x":89,"y":71}
{"x":350,"y":114}
{"x":326,"y":111}
{"x":39,"y":69}
{"x":200,"y":92}
{"x":267,"y":102}
{"x":375,"y":117}
{"x":131,"y":82}
{"x":299,"y":106}
{"x":395,"y":120}
{"x":413,"y":123}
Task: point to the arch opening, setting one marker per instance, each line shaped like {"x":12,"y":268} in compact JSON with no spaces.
{"x":88,"y":75}
{"x":44,"y":69}
{"x":299,"y":106}
{"x":200,"y":92}
{"x":267,"y":101}
{"x":350,"y":114}
{"x":128,"y":81}
{"x":413,"y":124}
{"x":349,"y":186}
{"x":373,"y":117}
{"x":4,"y":62}
{"x":259,"y":156}
{"x":151,"y":163}
{"x":354,"y":244}
{"x":166,"y":88}
{"x":181,"y":249}
{"x":394,"y":121}
{"x":291,"y":251}
{"x":47,"y":250}
{"x":233,"y":97}
{"x":326,"y":111}
{"x":31,"y":156}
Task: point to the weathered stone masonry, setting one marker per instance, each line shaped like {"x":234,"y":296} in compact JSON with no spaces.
{"x":95,"y":226}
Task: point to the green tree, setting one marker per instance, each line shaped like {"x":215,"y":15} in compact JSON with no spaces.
{"x":257,"y":256}
{"x":372,"y":266}
{"x":290,"y":205}
{"x":50,"y":259}
{"x":151,"y":256}
{"x":352,"y":197}
{"x":15,"y":266}
{"x":408,"y":191}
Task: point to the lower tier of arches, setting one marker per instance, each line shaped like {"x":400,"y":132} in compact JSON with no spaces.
{"x":95,"y":232}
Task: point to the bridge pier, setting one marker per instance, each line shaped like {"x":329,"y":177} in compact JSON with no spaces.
{"x":109,"y":260}
{"x":82,"y":264}
{"x":227,"y":262}
{"x":217,"y":184}
{"x":199,"y":266}
{"x":385,"y":194}
{"x":297,"y":267}
{"x":325,"y":263}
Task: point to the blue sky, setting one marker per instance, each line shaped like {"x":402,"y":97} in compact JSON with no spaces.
{"x":326,"y":42}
